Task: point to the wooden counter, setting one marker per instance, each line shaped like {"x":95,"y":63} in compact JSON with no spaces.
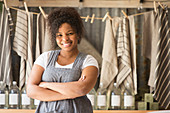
{"x":95,"y":111}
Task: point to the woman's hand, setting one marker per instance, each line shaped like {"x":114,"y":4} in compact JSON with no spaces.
{"x":82,"y":78}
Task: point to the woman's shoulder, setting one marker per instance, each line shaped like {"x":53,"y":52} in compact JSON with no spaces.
{"x":90,"y":61}
{"x":88,"y":56}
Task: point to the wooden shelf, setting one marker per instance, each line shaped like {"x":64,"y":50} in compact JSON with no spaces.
{"x":88,"y":3}
{"x":95,"y":111}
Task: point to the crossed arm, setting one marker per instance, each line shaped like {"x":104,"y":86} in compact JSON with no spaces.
{"x":53,"y":91}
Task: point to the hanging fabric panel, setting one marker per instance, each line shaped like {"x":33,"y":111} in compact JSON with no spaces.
{"x":5,"y":47}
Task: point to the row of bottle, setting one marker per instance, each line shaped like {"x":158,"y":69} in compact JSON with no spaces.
{"x":113,"y":99}
{"x":13,"y":98}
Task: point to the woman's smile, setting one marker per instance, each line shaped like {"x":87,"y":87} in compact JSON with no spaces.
{"x":66,"y":44}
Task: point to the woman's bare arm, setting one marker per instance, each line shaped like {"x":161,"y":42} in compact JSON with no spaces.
{"x":76,"y":88}
{"x":36,"y":92}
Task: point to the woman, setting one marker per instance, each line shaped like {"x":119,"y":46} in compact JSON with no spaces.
{"x":61,"y":79}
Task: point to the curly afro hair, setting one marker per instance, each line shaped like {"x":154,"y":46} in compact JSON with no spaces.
{"x":65,"y":15}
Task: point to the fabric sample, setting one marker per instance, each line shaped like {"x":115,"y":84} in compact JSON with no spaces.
{"x":29,"y":61}
{"x":124,"y":54}
{"x":162,"y":82}
{"x":5,"y":47}
{"x":20,"y":43}
{"x":133,"y":50}
{"x":43,"y":39}
{"x":156,"y":32}
{"x":109,"y":63}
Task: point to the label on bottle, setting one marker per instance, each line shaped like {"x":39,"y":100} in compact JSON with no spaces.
{"x":91,"y":98}
{"x":25,"y":99}
{"x":115,"y":100}
{"x":101,"y":100}
{"x":2,"y":99}
{"x":13,"y":99}
{"x":36,"y":102}
{"x":128,"y":100}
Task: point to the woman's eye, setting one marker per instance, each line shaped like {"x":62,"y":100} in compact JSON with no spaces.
{"x":70,"y":33}
{"x":59,"y":35}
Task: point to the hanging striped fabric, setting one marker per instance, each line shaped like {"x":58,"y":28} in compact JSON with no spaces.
{"x":124,"y":58}
{"x":5,"y":46}
{"x":162,"y":82}
{"x":29,"y":61}
{"x":20,"y":43}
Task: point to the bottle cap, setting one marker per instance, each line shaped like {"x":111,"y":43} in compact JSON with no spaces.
{"x":101,"y":84}
{"x":14,"y":82}
{"x":1,"y":82}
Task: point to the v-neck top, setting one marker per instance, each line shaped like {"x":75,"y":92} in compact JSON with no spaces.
{"x":52,"y":74}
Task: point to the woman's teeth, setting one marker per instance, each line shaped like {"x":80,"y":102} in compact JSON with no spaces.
{"x":66,"y":44}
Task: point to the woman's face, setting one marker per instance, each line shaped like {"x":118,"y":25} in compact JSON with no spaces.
{"x":66,"y":37}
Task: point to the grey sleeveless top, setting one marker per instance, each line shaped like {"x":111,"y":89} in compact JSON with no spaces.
{"x":52,"y":74}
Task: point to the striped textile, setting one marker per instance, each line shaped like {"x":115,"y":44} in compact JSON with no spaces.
{"x":5,"y":46}
{"x":29,"y":61}
{"x":20,"y":43}
{"x":162,"y":82}
{"x":124,"y":56}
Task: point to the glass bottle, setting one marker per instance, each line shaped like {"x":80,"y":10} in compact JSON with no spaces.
{"x":128,"y":98}
{"x":36,"y":103}
{"x":32,"y":103}
{"x":92,"y":97}
{"x":115,"y":98}
{"x":3,"y":96}
{"x":14,"y":96}
{"x":25,"y":100}
{"x":101,"y":98}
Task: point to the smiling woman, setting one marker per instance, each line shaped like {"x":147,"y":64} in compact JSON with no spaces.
{"x":60,"y":79}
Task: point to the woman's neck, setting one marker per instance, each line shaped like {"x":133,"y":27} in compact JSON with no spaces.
{"x":65,"y":58}
{"x":69,"y":54}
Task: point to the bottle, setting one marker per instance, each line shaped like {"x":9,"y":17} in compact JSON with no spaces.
{"x":32,"y":103}
{"x":92,"y":97}
{"x":128,"y":98}
{"x":25,"y":100}
{"x":115,"y":98}
{"x":3,"y":96}
{"x":14,"y":96}
{"x":101,"y":98}
{"x":36,"y":103}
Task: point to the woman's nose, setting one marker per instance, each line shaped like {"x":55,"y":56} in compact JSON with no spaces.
{"x":65,"y":37}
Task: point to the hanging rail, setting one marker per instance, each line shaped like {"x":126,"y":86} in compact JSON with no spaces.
{"x":86,"y":18}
